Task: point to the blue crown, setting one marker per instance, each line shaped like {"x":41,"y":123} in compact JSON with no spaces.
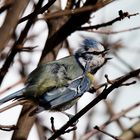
{"x":90,"y":42}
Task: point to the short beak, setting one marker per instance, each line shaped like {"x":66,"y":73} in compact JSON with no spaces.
{"x":106,"y":59}
{"x":105,"y":52}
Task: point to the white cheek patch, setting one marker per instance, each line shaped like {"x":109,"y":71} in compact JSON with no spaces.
{"x":97,"y":61}
{"x":100,"y":47}
{"x":83,"y":62}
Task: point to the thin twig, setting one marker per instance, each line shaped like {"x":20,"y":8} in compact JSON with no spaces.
{"x":119,"y":18}
{"x":117,"y":32}
{"x":7,"y":127}
{"x":52,"y":124}
{"x":21,"y":102}
{"x":106,"y":133}
{"x":131,"y":117}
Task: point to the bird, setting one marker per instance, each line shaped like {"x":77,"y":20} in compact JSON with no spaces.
{"x":58,"y":85}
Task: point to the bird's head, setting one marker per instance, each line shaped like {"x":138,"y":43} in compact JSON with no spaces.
{"x":91,"y":55}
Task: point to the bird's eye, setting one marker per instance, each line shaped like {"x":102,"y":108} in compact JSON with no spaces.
{"x":88,"y":56}
{"x":86,"y":48}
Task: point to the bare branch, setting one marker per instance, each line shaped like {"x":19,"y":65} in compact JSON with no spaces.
{"x":121,"y":16}
{"x":117,"y":32}
{"x":21,"y":102}
{"x":7,"y":127}
{"x":10,"y":22}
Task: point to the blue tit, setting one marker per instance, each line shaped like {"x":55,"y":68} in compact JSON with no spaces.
{"x":57,"y":85}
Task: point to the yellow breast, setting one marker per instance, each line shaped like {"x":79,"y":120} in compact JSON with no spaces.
{"x":90,"y":76}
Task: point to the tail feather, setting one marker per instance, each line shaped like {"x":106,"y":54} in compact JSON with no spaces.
{"x":12,"y":96}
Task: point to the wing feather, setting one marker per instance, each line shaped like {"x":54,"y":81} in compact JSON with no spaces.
{"x":60,"y":96}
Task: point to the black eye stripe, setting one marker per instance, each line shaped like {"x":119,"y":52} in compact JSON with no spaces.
{"x":96,"y":53}
{"x":93,"y":53}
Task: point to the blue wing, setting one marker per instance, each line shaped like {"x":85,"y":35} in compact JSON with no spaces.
{"x":60,"y":96}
